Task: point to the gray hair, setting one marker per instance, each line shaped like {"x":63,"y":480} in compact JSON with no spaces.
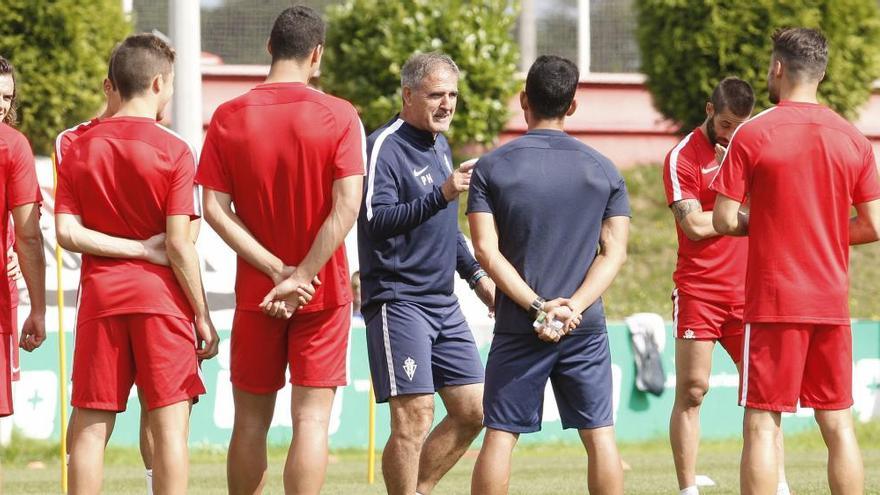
{"x":420,"y":65}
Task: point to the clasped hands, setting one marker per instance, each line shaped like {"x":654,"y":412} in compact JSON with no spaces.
{"x":559,"y":309}
{"x":292,"y":290}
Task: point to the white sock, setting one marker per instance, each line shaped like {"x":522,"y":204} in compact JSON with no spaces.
{"x":691,"y":490}
{"x":149,"y":476}
{"x":782,"y":488}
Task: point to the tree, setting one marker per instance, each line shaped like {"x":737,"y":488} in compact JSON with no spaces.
{"x":689,"y":45}
{"x":60,"y":50}
{"x":368,"y":42}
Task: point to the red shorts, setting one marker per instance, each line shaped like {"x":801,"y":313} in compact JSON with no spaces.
{"x":157,"y":352}
{"x":787,"y":362}
{"x":698,"y":319}
{"x":14,"y":350}
{"x":6,"y":374}
{"x":314,"y":346}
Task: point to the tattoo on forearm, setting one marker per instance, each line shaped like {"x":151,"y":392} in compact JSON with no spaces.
{"x":685,"y":207}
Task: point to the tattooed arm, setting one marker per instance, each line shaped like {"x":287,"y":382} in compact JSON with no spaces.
{"x":694,"y":222}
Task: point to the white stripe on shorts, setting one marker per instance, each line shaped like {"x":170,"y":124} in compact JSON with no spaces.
{"x":391,"y":380}
{"x":745,"y":357}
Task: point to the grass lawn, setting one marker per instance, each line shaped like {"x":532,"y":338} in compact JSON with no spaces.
{"x":544,"y":469}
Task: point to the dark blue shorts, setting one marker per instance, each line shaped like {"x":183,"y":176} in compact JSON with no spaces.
{"x":418,"y":349}
{"x":579,"y":368}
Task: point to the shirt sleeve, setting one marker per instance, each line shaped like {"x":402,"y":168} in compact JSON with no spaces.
{"x":66,"y":199}
{"x":465,"y":263}
{"x":351,"y":151}
{"x":618,"y":199}
{"x":734,"y":176}
{"x":212,"y":172}
{"x":867,"y":187}
{"x":386,"y":215}
{"x":62,"y":146}
{"x":183,"y":193}
{"x":22,"y":186}
{"x":479,"y":200}
{"x":681,"y":177}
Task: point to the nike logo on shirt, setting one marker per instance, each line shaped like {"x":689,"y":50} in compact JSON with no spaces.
{"x":421,"y":171}
{"x":709,"y":170}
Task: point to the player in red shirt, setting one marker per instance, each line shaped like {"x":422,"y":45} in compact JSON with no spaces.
{"x":803,"y":168}
{"x":62,"y":143}
{"x":124,"y":180}
{"x":20,"y":194}
{"x":291,"y":160}
{"x":709,"y":278}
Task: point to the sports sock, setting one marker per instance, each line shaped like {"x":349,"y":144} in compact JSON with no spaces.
{"x":149,"y":476}
{"x":691,"y":490}
{"x":782,"y":488}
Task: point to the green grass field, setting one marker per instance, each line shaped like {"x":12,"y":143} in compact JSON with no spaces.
{"x":544,"y":469}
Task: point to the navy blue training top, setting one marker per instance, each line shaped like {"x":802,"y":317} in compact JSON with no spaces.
{"x":549,"y":194}
{"x":408,"y":237}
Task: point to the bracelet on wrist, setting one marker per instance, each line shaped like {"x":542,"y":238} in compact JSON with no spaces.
{"x":472,"y":282}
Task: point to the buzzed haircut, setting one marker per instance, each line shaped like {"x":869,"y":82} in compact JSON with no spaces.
{"x":733,"y":94}
{"x":296,"y":32}
{"x":137,"y":60}
{"x":420,"y":65}
{"x":550,"y":86}
{"x":6,"y":68}
{"x":803,"y":51}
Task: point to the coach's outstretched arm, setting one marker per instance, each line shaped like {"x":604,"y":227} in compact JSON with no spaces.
{"x":283,"y":300}
{"x":613,"y":238}
{"x":185,"y":262}
{"x":727,"y":218}
{"x":74,"y":236}
{"x":32,"y":262}
{"x":388,"y":217}
{"x":865,"y":226}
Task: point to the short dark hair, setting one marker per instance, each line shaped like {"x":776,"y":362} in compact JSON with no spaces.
{"x":733,"y":94}
{"x":803,"y":51}
{"x":137,"y":60}
{"x":551,"y":85}
{"x":296,"y":32}
{"x":6,"y":68}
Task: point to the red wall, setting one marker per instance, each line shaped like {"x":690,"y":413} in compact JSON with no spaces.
{"x":615,"y":113}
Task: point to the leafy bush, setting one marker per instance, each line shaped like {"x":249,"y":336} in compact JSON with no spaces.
{"x":368,"y":42}
{"x":689,"y":45}
{"x":60,"y":50}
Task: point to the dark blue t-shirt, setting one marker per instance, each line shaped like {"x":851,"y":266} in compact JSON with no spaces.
{"x":549,"y":194}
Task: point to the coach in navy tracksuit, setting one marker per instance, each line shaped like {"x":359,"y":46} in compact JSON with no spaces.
{"x":539,"y":207}
{"x":409,"y":246}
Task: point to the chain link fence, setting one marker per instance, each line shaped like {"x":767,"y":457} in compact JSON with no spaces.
{"x":237,"y":30}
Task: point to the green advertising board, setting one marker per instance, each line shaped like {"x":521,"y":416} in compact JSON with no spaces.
{"x":638,"y":415}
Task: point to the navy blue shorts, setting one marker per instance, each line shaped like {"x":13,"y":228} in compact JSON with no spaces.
{"x":418,"y":349}
{"x":579,"y":368}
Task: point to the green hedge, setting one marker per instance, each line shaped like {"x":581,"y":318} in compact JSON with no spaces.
{"x":369,"y":40}
{"x":689,"y":45}
{"x":60,"y":50}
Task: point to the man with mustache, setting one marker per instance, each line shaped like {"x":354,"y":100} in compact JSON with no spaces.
{"x":418,"y":340}
{"x":707,"y":301}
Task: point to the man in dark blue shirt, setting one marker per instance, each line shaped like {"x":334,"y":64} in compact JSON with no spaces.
{"x":550,"y":218}
{"x":409,"y":244}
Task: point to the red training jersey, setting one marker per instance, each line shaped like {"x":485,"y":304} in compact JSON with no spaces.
{"x":68,"y":136}
{"x":123,"y":177}
{"x":276,"y":151}
{"x":19,"y":187}
{"x":712,"y":269}
{"x":803,"y":167}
